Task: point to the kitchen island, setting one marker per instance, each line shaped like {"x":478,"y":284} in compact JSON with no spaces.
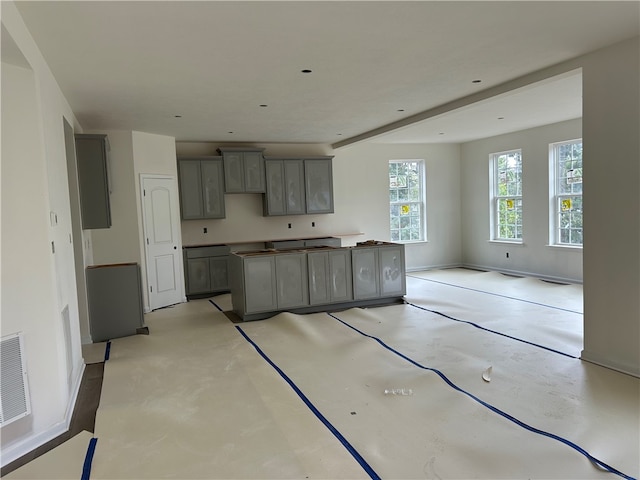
{"x":314,"y":279}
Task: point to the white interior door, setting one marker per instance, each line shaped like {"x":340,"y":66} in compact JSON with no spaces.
{"x":162,"y":240}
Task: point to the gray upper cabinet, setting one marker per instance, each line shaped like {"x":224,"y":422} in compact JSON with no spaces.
{"x":297,"y":186}
{"x":201,"y":187}
{"x":243,"y":170}
{"x":318,"y":176}
{"x":93,"y":178}
{"x":285,"y":194}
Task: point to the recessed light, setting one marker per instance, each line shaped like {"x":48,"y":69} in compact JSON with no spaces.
{"x":441,"y":133}
{"x":500,"y":118}
{"x":229,"y":132}
{"x":306,"y":70}
{"x":177,"y":116}
{"x":476,"y":81}
{"x":263,"y":105}
{"x":401,"y":110}
{"x":339,"y":134}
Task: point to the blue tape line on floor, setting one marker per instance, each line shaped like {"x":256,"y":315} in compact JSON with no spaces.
{"x":88,"y":459}
{"x":363,"y":463}
{"x":215,"y":305}
{"x":496,"y":294}
{"x":107,"y":351}
{"x":491,"y":331}
{"x":591,"y":458}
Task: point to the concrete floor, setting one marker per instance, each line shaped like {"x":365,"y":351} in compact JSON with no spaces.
{"x":488,"y":363}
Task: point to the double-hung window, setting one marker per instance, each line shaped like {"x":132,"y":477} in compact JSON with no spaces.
{"x":506,"y":196}
{"x":407,"y":200}
{"x":566,"y":186}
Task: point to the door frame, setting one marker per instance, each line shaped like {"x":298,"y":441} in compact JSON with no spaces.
{"x":145,"y":257}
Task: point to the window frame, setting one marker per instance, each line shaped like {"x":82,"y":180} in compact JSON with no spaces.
{"x":556,"y":197}
{"x":496,"y":197}
{"x":421,"y":203}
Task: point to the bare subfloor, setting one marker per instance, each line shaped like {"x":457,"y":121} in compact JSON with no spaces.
{"x":485,"y":369}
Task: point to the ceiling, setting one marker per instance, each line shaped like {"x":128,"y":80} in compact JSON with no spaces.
{"x":233,"y":71}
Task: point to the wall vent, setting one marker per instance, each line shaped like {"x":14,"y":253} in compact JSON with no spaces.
{"x":14,"y":390}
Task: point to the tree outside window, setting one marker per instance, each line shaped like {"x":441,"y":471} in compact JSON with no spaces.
{"x":566,"y":160}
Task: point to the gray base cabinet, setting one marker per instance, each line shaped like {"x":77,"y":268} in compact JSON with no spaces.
{"x":114,"y":294}
{"x":206,"y":270}
{"x":92,"y":157}
{"x":291,"y":280}
{"x":378,"y":271}
{"x":265,"y":282}
{"x":330,"y":277}
{"x":200,"y":181}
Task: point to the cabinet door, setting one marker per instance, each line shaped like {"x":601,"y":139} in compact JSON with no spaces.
{"x":254,"y":181}
{"x":260,"y":284}
{"x":274,"y":198}
{"x":319,"y":185}
{"x":366,"y":281}
{"x":93,"y":180}
{"x":219,"y":273}
{"x":340,"y":285}
{"x":294,"y":187}
{"x":212,"y":189}
{"x":318,"y":264}
{"x":392,"y":271}
{"x":233,"y":172}
{"x":292,"y":280}
{"x":190,"y":183}
{"x":198,"y":276}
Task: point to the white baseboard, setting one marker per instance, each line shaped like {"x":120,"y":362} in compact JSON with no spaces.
{"x":433,"y":267}
{"x":521,"y":273}
{"x":633,"y":370}
{"x":20,"y":448}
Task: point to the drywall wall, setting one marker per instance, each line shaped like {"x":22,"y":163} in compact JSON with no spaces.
{"x":37,"y":255}
{"x":534,"y":256}
{"x":362,"y":191}
{"x":153,"y":154}
{"x":119,"y":244}
{"x":611,"y":122}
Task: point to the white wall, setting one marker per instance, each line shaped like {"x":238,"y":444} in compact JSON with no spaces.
{"x":152,"y":154}
{"x":119,"y":244}
{"x":611,"y":122}
{"x":361,"y":182}
{"x":534,"y":256}
{"x":37,"y":284}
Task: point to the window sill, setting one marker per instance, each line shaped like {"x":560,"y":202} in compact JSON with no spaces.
{"x":571,"y":248}
{"x":410,"y":242}
{"x":506,"y":242}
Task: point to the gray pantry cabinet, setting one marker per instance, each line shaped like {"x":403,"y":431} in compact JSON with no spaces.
{"x":200,"y":181}
{"x":206,"y":270}
{"x":92,"y":157}
{"x":243,"y":170}
{"x":297,"y":186}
